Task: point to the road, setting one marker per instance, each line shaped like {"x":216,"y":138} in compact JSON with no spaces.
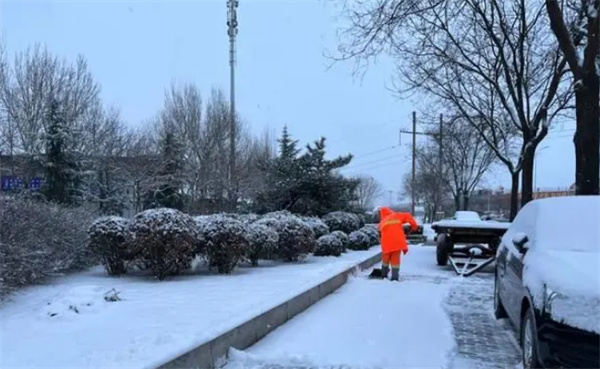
{"x":431,"y":318}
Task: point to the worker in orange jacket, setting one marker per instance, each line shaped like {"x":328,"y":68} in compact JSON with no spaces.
{"x":393,"y":239}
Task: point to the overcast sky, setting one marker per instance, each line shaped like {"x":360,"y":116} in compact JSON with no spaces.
{"x":136,"y":49}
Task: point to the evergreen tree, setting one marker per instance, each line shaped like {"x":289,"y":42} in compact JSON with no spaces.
{"x":168,"y":188}
{"x":307,"y":184}
{"x":62,"y":179}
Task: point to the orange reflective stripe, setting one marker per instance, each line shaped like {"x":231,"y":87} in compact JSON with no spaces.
{"x":388,"y":222}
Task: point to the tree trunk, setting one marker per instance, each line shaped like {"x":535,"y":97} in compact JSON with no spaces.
{"x":514,"y":196}
{"x":465,"y":201}
{"x":527,"y":175}
{"x":587,"y":138}
{"x":457,"y":202}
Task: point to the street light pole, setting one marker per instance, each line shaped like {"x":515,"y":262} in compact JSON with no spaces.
{"x":232,"y":31}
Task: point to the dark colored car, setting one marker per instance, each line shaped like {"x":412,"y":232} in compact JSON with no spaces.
{"x":547,"y":282}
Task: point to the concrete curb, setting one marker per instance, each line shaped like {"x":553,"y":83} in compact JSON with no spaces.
{"x":245,"y":335}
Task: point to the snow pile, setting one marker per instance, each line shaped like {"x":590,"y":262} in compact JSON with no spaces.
{"x":164,"y":240}
{"x":296,"y":239}
{"x":263,"y":242}
{"x":359,"y":241}
{"x":342,"y":221}
{"x":226,"y":241}
{"x":110,"y":240}
{"x":562,"y":263}
{"x":343,"y":237}
{"x":317,"y":225}
{"x":329,"y":245}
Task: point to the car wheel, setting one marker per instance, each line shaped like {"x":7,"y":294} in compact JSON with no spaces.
{"x":529,"y":341}
{"x":442,"y":250}
{"x":499,"y":311}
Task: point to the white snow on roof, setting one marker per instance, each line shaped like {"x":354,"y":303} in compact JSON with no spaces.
{"x":467,"y":216}
{"x":481,"y":224}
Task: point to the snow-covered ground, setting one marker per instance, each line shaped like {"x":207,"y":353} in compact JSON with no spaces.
{"x":68,"y":323}
{"x":431,"y":319}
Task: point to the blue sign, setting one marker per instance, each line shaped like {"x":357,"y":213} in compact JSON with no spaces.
{"x":10,"y":183}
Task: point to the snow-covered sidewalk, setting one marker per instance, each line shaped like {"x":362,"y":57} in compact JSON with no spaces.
{"x":430,"y":319}
{"x":366,"y":324}
{"x":68,"y":324}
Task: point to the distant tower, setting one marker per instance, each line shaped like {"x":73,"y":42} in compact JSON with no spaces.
{"x":232,"y":31}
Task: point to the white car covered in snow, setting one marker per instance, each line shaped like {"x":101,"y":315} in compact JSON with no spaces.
{"x":548,"y":281}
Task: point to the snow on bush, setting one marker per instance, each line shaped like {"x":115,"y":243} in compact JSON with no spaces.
{"x":226,"y":241}
{"x":342,"y":221}
{"x":328,"y":245}
{"x":296,"y":239}
{"x":263,"y":242}
{"x":317,"y":225}
{"x":372,"y":233}
{"x":164,"y":240}
{"x":38,"y":239}
{"x":343,"y":237}
{"x":359,"y":241}
{"x":109,"y":240}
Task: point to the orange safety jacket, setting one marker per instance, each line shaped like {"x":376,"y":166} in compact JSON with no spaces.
{"x":392,"y":234}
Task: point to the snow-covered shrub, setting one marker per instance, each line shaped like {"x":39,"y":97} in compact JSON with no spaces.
{"x":247,"y":218}
{"x":343,"y":237}
{"x":317,"y":225}
{"x":226,"y":241}
{"x":342,"y":221}
{"x":359,"y":241}
{"x":328,"y":245}
{"x":296,"y":239}
{"x":373,"y":234}
{"x":109,"y":240}
{"x":164,"y":240}
{"x":279,"y":214}
{"x":38,"y":239}
{"x":263,"y":242}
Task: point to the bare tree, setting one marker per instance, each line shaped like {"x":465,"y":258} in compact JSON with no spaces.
{"x":35,"y":78}
{"x":426,"y":190}
{"x":465,"y":158}
{"x":576,"y":26}
{"x":489,"y":61}
{"x":367,"y":191}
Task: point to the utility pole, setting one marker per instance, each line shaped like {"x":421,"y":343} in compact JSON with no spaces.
{"x":440,"y":164}
{"x":232,"y":31}
{"x":414,"y":154}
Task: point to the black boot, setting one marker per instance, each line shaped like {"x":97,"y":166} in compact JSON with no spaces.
{"x":385,"y":270}
{"x":395,"y":274}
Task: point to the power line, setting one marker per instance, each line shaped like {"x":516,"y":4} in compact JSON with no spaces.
{"x":375,"y":152}
{"x":372,"y":161}
{"x":360,"y":170}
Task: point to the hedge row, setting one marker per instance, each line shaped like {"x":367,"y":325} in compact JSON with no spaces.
{"x":165,"y":241}
{"x":39,"y":239}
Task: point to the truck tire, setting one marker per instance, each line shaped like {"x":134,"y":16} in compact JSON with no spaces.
{"x":442,"y":250}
